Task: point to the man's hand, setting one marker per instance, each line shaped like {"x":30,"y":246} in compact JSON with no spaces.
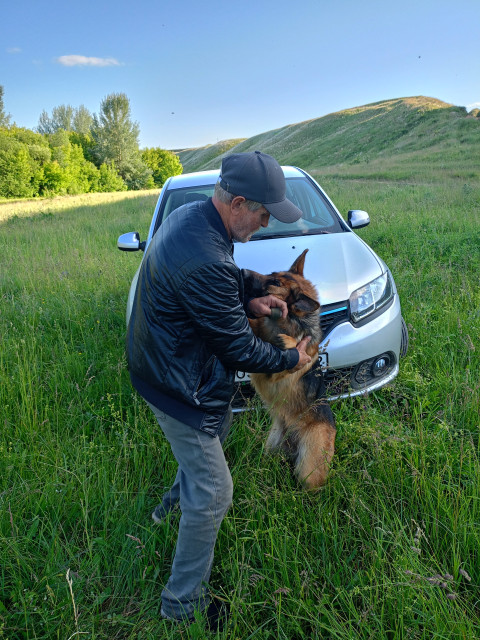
{"x":263,"y":306}
{"x":304,"y":357}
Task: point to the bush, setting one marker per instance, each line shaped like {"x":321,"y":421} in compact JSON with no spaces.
{"x":162,"y":163}
{"x":55,"y":180}
{"x":22,"y":155}
{"x":16,"y":173}
{"x":109,"y":180}
{"x":136,"y":174}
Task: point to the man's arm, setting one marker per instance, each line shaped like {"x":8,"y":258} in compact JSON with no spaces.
{"x":210,"y":296}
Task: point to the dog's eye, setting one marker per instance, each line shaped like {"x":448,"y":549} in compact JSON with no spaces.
{"x":273,"y":282}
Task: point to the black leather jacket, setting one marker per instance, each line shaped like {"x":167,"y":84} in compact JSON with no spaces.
{"x":188,"y":331}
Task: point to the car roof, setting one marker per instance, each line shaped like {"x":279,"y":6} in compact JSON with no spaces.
{"x":200,"y":178}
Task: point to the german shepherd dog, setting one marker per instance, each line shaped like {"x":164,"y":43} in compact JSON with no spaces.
{"x":303,"y":425}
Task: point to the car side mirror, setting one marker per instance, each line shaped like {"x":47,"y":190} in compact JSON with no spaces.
{"x":358,"y":219}
{"x":130,"y":242}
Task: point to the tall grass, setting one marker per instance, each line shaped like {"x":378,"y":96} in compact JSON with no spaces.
{"x":389,"y":549}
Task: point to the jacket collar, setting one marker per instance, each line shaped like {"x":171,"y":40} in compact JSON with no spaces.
{"x":216,"y":222}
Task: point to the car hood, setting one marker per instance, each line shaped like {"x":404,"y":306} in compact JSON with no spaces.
{"x":337,"y":264}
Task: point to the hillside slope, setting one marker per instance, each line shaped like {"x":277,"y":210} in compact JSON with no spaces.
{"x":197,"y":159}
{"x":400,"y":132}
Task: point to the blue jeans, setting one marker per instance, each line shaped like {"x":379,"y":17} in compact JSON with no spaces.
{"x":204,"y":488}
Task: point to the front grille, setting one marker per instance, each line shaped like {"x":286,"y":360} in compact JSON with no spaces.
{"x":333,"y":314}
{"x":337,"y":381}
{"x":243,"y":396}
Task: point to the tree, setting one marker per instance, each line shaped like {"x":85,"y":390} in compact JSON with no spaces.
{"x":4,"y":118}
{"x":67,"y":118}
{"x":44,"y":126}
{"x":33,"y":164}
{"x":62,"y":118}
{"x":115,"y":141}
{"x":163,"y":164}
{"x":82,"y":120}
{"x":70,"y":172}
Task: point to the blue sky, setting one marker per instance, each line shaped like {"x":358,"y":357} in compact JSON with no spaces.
{"x":199,"y":72}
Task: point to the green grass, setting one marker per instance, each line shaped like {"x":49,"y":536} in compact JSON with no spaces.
{"x":389,"y":549}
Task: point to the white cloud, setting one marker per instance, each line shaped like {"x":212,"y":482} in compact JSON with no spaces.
{"x":84,"y":61}
{"x":474,"y":105}
{"x":14,"y":50}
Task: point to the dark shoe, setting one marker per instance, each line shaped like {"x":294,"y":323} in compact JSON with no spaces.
{"x":161,"y":512}
{"x":216,"y":615}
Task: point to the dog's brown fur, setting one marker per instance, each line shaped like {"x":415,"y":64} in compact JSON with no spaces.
{"x":303,"y":425}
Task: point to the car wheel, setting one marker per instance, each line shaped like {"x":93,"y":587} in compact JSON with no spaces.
{"x":404,"y":341}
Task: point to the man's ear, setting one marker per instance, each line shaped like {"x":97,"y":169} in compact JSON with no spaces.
{"x":236,"y":203}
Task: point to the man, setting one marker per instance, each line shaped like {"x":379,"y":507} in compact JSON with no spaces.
{"x":187,"y":335}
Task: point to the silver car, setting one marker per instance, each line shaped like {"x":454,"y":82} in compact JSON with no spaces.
{"x":364,"y":334}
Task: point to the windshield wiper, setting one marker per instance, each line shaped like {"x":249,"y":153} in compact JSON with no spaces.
{"x":296,"y":234}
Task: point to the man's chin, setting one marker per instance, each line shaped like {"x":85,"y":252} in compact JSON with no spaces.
{"x":246,"y":238}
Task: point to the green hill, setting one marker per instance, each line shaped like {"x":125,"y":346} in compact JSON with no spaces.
{"x":198,"y":159}
{"x":393,"y":138}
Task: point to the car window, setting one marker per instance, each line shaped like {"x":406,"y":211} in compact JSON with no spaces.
{"x":177,"y":197}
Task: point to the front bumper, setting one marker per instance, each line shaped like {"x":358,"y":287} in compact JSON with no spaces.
{"x":352,"y":356}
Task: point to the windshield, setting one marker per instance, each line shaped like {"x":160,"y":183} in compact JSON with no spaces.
{"x":318,"y":214}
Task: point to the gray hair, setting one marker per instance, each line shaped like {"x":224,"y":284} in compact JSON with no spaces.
{"x":226,"y":197}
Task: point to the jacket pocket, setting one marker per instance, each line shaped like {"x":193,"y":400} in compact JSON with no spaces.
{"x":204,"y":379}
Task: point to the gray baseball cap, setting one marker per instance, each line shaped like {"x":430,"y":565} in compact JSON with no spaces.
{"x":257,"y":176}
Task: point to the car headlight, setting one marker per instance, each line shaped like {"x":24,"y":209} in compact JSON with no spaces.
{"x":371,"y":297}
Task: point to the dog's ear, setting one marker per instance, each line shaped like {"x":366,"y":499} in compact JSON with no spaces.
{"x":297,"y":266}
{"x":305,"y":305}
{"x":255,"y":284}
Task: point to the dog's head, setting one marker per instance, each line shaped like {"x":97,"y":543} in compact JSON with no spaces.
{"x":299,"y":294}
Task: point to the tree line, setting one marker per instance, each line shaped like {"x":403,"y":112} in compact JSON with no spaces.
{"x":73,"y":151}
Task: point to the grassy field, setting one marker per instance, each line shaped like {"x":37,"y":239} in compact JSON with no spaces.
{"x":389,"y":549}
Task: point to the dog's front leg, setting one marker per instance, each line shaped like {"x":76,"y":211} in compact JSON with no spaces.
{"x":275,"y":437}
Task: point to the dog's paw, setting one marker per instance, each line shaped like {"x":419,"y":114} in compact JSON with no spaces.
{"x":288,"y":341}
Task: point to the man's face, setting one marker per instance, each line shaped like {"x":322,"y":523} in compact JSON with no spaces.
{"x":248,"y":223}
